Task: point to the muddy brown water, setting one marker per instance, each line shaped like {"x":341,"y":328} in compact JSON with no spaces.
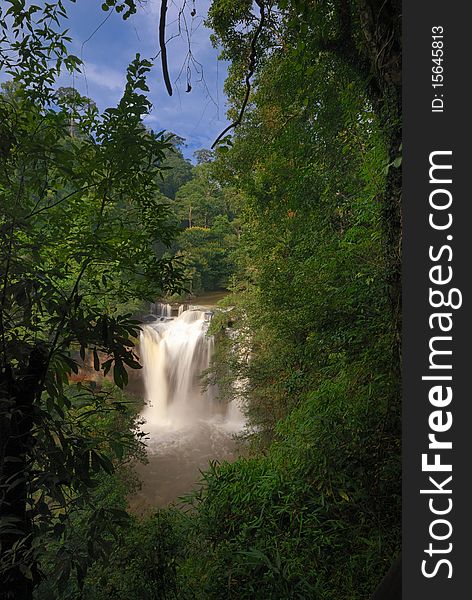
{"x":176,"y":459}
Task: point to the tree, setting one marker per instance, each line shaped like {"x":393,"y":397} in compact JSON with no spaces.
{"x":176,"y":169}
{"x":310,"y":330}
{"x":207,"y":213}
{"x":207,"y":253}
{"x":204,"y":156}
{"x":361,"y":38}
{"x":201,"y":199}
{"x":80,"y":219}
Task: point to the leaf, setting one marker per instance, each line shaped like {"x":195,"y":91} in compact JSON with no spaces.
{"x":118,"y":449}
{"x":26,"y":571}
{"x":397,"y":162}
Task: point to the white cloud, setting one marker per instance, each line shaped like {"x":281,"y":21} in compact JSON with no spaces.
{"x":111,"y":79}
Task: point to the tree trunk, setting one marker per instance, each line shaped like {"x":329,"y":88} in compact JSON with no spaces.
{"x":17,"y":397}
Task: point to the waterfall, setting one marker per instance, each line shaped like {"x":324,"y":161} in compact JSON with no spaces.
{"x":161,"y":310}
{"x":186,"y":426}
{"x":174,"y":353}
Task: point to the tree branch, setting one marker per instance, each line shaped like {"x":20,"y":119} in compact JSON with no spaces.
{"x":249,"y":74}
{"x":82,"y":189}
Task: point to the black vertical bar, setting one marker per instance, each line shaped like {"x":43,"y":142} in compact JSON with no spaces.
{"x":437,"y":119}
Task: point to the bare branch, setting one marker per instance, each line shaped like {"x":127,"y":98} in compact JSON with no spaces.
{"x":249,"y":74}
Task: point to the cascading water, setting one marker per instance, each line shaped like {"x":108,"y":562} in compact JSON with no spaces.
{"x":174,"y":353}
{"x":186,"y":426}
{"x":161,"y":310}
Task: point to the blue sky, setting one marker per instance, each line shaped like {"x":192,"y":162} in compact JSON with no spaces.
{"x":198,"y":116}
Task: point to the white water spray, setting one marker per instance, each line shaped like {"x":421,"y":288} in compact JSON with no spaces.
{"x":174,"y":353}
{"x":161,"y":310}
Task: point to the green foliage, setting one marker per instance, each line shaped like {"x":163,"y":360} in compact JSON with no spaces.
{"x":206,"y":254}
{"x":309,"y":331}
{"x":81,"y":220}
{"x":177,"y":171}
{"x":128,"y":7}
{"x":201,"y":199}
{"x":209,"y":227}
{"x":204,"y":156}
{"x":315,"y":518}
{"x":143,"y":564}
{"x":89,"y":526}
{"x":33,"y":45}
